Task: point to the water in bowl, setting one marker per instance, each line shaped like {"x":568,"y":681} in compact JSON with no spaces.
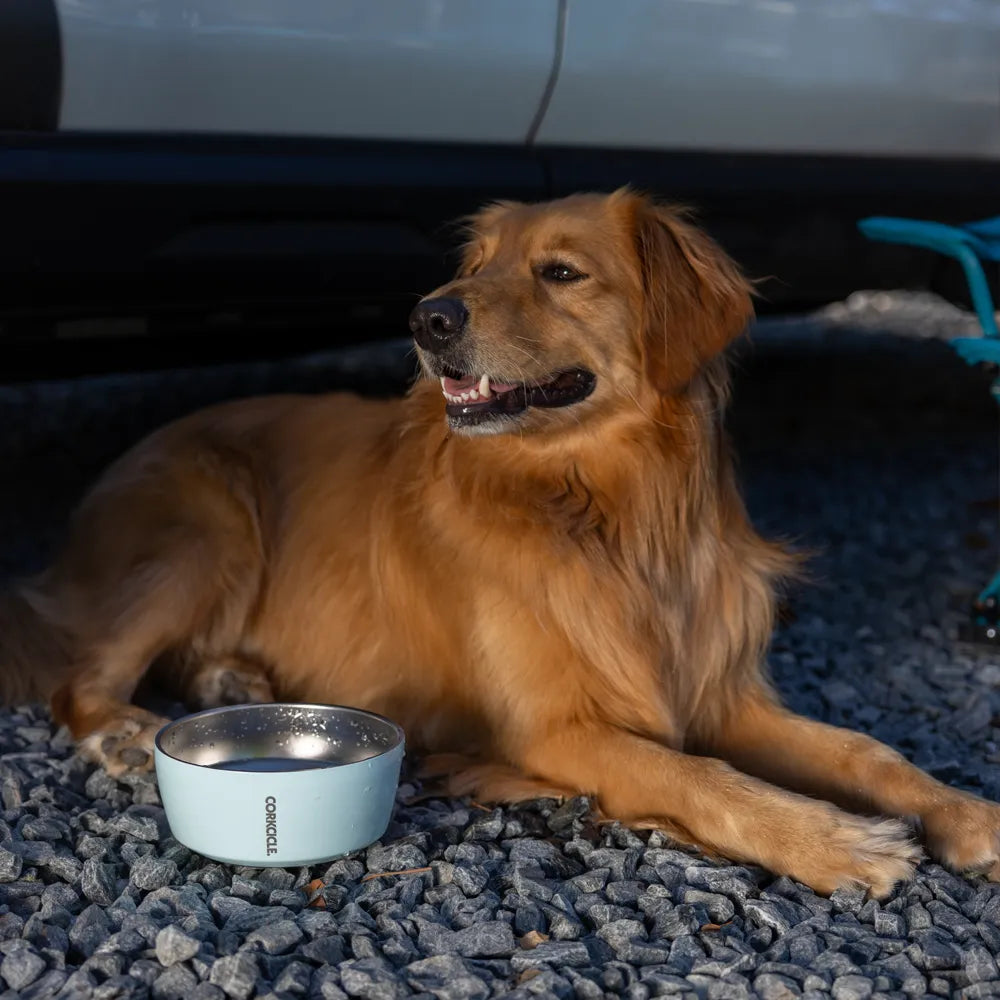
{"x":271,"y":764}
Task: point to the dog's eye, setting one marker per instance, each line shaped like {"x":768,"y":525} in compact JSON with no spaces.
{"x":561,"y":272}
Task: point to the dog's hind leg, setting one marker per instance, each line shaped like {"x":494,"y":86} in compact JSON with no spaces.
{"x":156,"y":565}
{"x":180,"y":599}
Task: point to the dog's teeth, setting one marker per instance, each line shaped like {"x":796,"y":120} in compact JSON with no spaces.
{"x":484,"y":387}
{"x":473,"y":395}
{"x":465,"y":397}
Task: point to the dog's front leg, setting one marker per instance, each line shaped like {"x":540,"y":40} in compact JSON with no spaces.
{"x":640,"y":781}
{"x":854,"y":770}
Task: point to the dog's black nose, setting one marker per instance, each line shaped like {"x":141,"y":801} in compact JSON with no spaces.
{"x":436,"y":323}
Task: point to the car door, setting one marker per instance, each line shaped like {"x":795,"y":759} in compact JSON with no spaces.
{"x":898,"y":77}
{"x":458,"y":70}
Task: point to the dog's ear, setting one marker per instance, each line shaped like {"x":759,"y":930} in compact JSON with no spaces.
{"x":695,"y":300}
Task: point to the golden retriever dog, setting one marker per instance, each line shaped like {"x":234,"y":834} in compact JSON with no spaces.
{"x":538,"y":562}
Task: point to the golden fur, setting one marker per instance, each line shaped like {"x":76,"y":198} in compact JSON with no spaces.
{"x":575,"y":603}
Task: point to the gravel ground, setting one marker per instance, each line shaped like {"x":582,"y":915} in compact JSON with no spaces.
{"x":873,"y":447}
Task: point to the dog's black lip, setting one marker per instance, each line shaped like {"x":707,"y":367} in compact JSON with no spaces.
{"x":562,"y":389}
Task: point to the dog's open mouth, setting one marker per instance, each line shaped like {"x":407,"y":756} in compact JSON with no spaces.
{"x":471,"y":399}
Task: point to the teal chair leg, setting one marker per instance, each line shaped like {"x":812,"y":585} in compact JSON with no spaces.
{"x":978,"y":289}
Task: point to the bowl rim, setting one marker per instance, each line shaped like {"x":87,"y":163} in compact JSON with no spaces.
{"x":400,"y":734}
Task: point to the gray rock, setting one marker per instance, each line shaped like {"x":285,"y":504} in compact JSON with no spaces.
{"x":917,"y":917}
{"x":720,"y":908}
{"x":372,"y":979}
{"x":173,"y":945}
{"x":98,"y":882}
{"x":21,"y":966}
{"x":176,"y":983}
{"x":772,"y":986}
{"x":235,"y":975}
{"x":591,"y":881}
{"x":620,"y":932}
{"x":932,"y":953}
{"x":776,"y":914}
{"x":276,"y":938}
{"x":294,"y":979}
{"x":601,"y":913}
{"x":149,"y":872}
{"x":447,"y":978}
{"x":471,"y":879}
{"x":36,"y":852}
{"x":731,"y":882}
{"x":554,"y":953}
{"x":685,"y":952}
{"x":622,"y":864}
{"x":10,"y":865}
{"x":489,"y":939}
{"x":53,"y":983}
{"x":90,"y":929}
{"x":548,"y":983}
{"x":206,"y":991}
{"x":486,"y":828}
{"x":569,"y":815}
{"x":982,"y":991}
{"x":852,"y":988}
{"x":138,"y":827}
{"x":64,"y":867}
{"x":325,"y":950}
{"x":978,"y":963}
{"x":890,"y":924}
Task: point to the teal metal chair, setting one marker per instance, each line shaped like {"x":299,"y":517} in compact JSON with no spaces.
{"x":970,"y":244}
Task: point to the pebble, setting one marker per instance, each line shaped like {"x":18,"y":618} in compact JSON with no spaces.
{"x":176,"y":983}
{"x":235,"y":975}
{"x":149,"y":872}
{"x":10,"y":865}
{"x":173,"y":945}
{"x":447,"y":977}
{"x":372,"y":979}
{"x":21,"y":966}
{"x":276,"y":938}
{"x":98,"y":882}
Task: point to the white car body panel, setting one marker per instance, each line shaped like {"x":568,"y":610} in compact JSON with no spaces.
{"x":849,"y":77}
{"x":902,"y":77}
{"x":382,"y":69}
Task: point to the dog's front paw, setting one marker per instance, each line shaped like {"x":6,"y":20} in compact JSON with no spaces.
{"x":963,"y":832}
{"x":855,"y":851}
{"x":124,"y":744}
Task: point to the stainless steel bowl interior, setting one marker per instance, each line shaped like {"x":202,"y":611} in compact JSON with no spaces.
{"x":264,"y":737}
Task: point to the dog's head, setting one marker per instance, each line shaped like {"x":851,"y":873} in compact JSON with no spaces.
{"x":562,"y":310}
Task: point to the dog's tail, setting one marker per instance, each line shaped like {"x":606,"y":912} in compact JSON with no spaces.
{"x":34,"y":652}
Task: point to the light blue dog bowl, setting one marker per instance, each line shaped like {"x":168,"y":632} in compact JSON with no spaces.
{"x":278,"y":785}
